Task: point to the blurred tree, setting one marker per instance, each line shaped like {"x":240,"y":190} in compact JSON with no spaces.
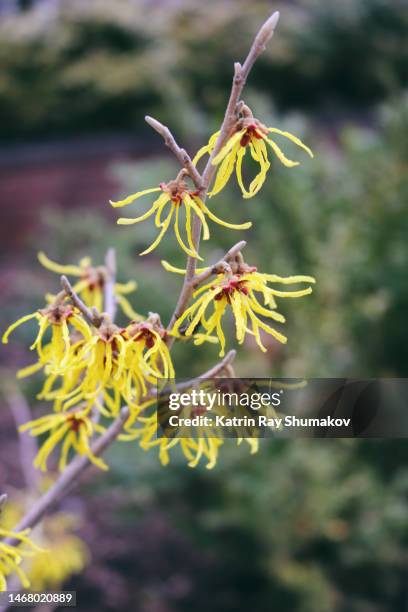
{"x":96,"y":66}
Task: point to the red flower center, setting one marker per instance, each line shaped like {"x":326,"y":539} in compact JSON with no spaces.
{"x":232,"y":285}
{"x":75,"y":422}
{"x":251,"y":132}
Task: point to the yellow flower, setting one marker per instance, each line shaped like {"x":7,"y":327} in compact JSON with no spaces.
{"x":57,"y":316}
{"x":204,"y":447}
{"x":238,"y":290}
{"x":65,"y":553}
{"x":74,"y":429}
{"x":248,"y":132}
{"x":113,"y":365}
{"x":145,"y":428}
{"x":177,"y":194}
{"x":91,"y":285}
{"x":12,"y":556}
{"x":62,"y":553}
{"x":147,"y":344}
{"x":108,"y":367}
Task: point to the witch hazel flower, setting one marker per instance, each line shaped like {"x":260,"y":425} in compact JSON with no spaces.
{"x":247,"y":293}
{"x":91,"y":284}
{"x":176,"y":198}
{"x":247,"y":133}
{"x":57,"y":352}
{"x":73,"y":430}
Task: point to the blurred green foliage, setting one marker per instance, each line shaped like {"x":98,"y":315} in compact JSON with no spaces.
{"x":94,"y":66}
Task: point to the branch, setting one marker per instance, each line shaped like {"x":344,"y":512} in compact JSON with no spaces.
{"x":27,"y":445}
{"x":93,"y":317}
{"x":181,"y":154}
{"x":211,"y":373}
{"x":240,"y":76}
{"x":3,"y":499}
{"x":68,"y":477}
{"x":241,"y":73}
{"x":200,"y":278}
{"x":109,"y":289}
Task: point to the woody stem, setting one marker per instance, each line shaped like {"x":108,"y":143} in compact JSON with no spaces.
{"x":241,"y":73}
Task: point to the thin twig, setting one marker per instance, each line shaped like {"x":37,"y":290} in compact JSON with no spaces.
{"x":90,"y":315}
{"x":217,"y":267}
{"x":181,"y":154}
{"x":3,"y":499}
{"x":211,"y":373}
{"x":27,"y":445}
{"x":69,"y":476}
{"x":240,"y":76}
{"x":197,"y":279}
{"x":110,"y":303}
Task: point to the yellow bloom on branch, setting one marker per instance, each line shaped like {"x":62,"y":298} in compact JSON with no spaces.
{"x":239,"y":292}
{"x":205,"y":447}
{"x":97,"y":366}
{"x":147,"y":344}
{"x":178,"y":195}
{"x":92,"y":282}
{"x":57,"y":316}
{"x":11,"y":556}
{"x":73,"y":430}
{"x":248,"y":133}
{"x":112,"y":367}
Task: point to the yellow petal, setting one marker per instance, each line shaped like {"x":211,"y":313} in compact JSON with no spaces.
{"x":58,"y":268}
{"x":124,"y":288}
{"x":224,"y":171}
{"x":207,"y":148}
{"x":157,"y":204}
{"x":280,"y":155}
{"x":194,"y":202}
{"x":259,"y":153}
{"x":259,"y":309}
{"x":128,"y":309}
{"x":293,"y":138}
{"x":228,"y":147}
{"x":288,"y":280}
{"x":237,"y":226}
{"x":20,"y":321}
{"x":28,"y":370}
{"x":161,"y":234}
{"x":238,"y":172}
{"x":191,"y":253}
{"x":133,"y":197}
{"x":167,"y":266}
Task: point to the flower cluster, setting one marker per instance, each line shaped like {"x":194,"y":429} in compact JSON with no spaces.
{"x":91,"y":370}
